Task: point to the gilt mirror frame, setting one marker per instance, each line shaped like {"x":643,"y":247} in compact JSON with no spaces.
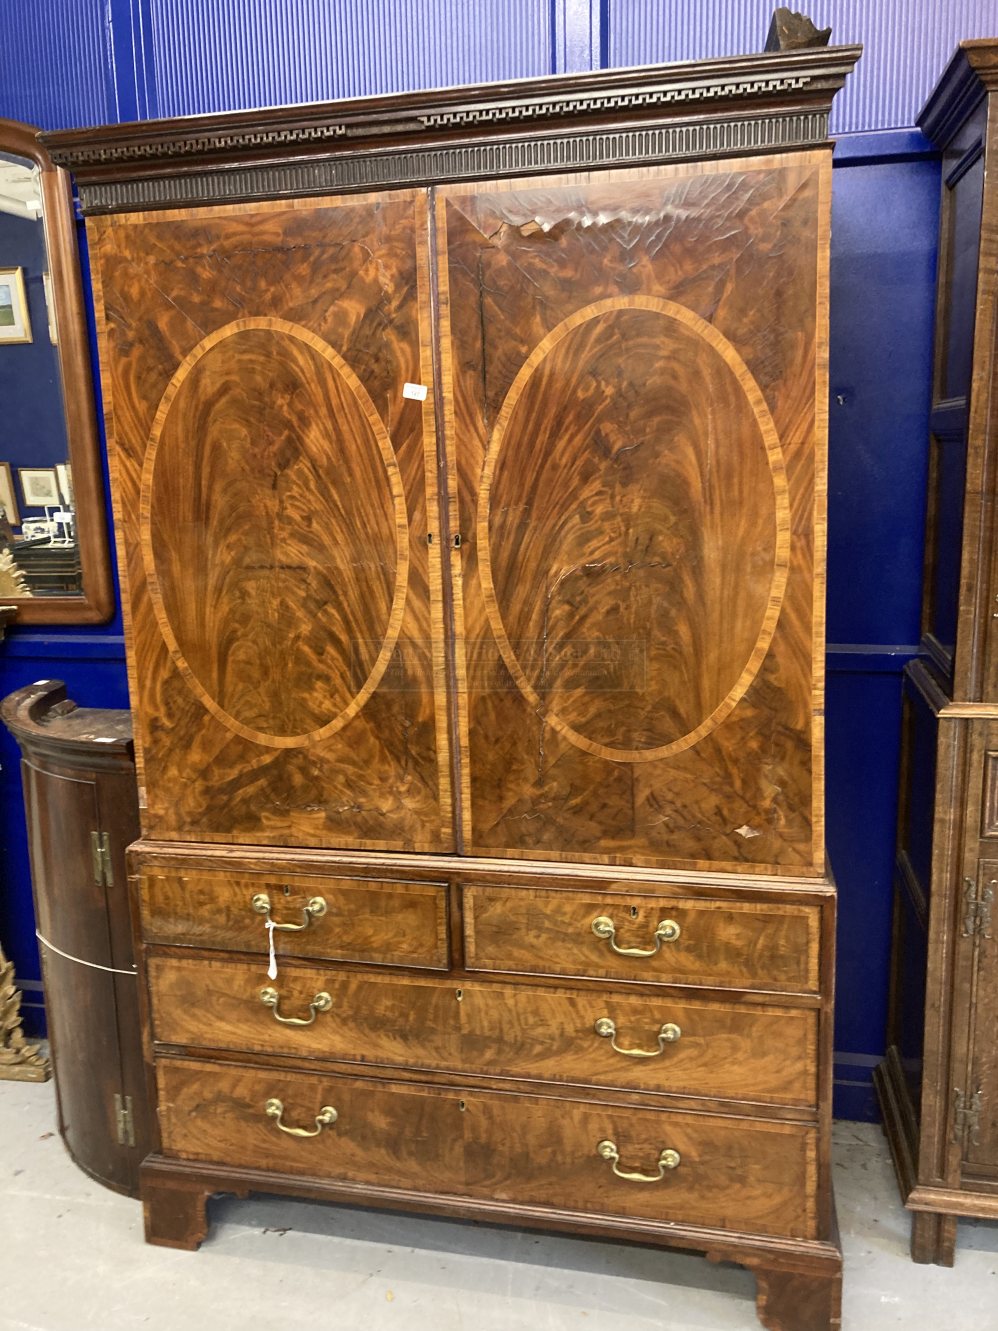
{"x":94,"y":602}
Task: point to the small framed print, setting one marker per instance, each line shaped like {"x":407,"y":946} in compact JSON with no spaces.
{"x":15,"y":326}
{"x":40,"y":486}
{"x":8,"y":500}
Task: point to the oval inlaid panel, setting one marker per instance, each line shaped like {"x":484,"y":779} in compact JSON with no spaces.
{"x":634,"y":528}
{"x":274,"y":533}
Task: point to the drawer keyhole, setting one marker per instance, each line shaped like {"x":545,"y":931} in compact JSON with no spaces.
{"x":634,"y":912}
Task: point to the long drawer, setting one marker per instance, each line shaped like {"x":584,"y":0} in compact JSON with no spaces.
{"x":654,"y":939}
{"x":743,"y":1052}
{"x":706,"y":1170}
{"x":346,"y":919}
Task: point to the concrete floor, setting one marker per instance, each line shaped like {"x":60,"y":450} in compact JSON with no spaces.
{"x":72,"y":1258}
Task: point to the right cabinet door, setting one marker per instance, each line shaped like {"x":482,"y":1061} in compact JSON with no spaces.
{"x":633,"y":365}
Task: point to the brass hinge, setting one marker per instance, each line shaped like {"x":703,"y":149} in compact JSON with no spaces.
{"x":977,"y":903}
{"x":125,"y":1122}
{"x":100,"y":850}
{"x":966,"y":1118}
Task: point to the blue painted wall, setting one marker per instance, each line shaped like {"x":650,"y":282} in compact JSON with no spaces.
{"x":67,"y":64}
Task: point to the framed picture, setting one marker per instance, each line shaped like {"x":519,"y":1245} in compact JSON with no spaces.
{"x":65,"y":477}
{"x":40,"y":486}
{"x":15,"y":326}
{"x":50,"y":307}
{"x":8,"y":500}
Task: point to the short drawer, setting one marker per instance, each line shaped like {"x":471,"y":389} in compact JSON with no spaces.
{"x":563,"y":1154}
{"x":651,"y":939}
{"x":345,"y":919}
{"x":755,"y":1053}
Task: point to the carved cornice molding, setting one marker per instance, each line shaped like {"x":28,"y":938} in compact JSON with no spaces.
{"x":355,"y":172}
{"x":248,"y":141}
{"x":711,"y":107}
{"x":968,"y":78}
{"x":625,"y":101}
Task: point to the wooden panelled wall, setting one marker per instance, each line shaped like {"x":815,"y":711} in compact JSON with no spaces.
{"x":96,"y":61}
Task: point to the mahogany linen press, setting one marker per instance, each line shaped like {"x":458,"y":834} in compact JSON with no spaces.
{"x":468,"y":455}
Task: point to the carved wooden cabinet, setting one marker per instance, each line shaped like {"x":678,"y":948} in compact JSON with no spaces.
{"x":78,"y":773}
{"x":939,"y":1083}
{"x":469,"y":463}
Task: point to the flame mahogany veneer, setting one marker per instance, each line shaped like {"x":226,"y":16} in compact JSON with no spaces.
{"x":468,"y":458}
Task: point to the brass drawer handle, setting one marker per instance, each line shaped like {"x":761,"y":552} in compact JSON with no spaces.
{"x":668,"y":1034}
{"x":668,"y":1159}
{"x":667,"y":932}
{"x":312,"y":910}
{"x":320,"y":1003}
{"x":326,"y":1115}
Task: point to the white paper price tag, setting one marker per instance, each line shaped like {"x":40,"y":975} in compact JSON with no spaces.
{"x":272,"y":960}
{"x":416,"y":391}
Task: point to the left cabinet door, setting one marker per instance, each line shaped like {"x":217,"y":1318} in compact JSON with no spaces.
{"x":275,"y":498}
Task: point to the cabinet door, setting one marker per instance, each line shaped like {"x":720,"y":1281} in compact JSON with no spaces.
{"x":634,"y":368}
{"x":73,"y":912}
{"x":272,"y":485}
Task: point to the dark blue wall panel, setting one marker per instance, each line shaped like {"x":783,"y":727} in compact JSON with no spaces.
{"x":884,"y":218}
{"x":885,"y":201}
{"x":863,"y":727}
{"x":80,"y":62}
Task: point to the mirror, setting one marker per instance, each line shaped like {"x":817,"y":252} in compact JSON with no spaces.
{"x":54,"y":560}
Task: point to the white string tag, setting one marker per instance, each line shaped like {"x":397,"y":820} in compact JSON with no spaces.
{"x":93,"y":965}
{"x":272,"y":968}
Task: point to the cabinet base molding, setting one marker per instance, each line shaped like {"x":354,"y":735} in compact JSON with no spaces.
{"x":936,"y":1210}
{"x":798,"y":1283}
{"x":954,"y":1201}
